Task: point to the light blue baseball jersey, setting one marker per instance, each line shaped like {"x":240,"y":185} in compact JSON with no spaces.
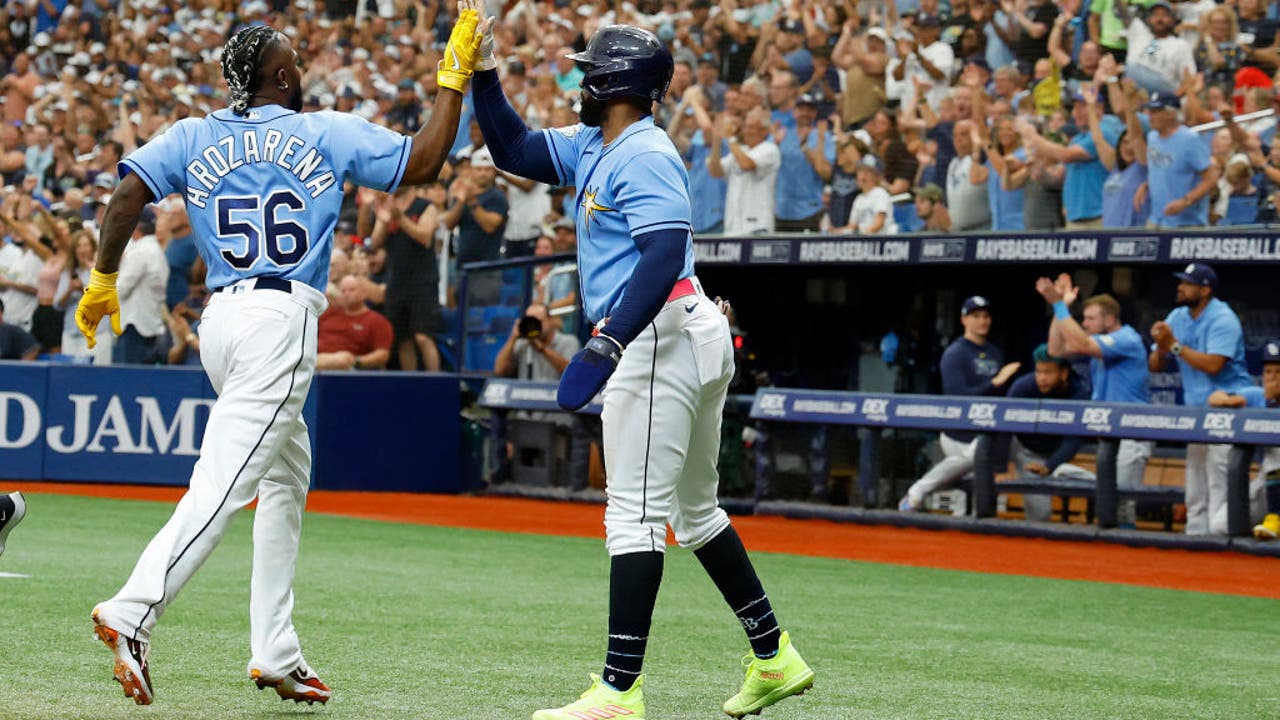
{"x":263,"y":191}
{"x":1218,"y":332}
{"x":1120,"y":375}
{"x":635,"y":185}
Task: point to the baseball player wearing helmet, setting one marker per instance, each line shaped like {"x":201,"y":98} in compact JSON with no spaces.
{"x":662,"y":353}
{"x":263,"y":186}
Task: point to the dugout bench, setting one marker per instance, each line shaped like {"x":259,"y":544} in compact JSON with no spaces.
{"x":1104,"y":423}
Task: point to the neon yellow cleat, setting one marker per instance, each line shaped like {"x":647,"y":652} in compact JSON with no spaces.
{"x":600,"y":701}
{"x":771,"y":680}
{"x":1269,"y":528}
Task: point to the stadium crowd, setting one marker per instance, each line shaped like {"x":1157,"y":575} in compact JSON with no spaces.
{"x":870,"y":117}
{"x":793,"y":115}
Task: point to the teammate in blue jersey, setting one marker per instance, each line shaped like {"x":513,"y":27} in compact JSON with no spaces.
{"x":1204,"y":337}
{"x":262,"y":183}
{"x":1117,"y":367}
{"x":1264,"y":492}
{"x":662,"y":354}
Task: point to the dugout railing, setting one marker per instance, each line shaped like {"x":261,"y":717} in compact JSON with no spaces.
{"x":1104,"y":423}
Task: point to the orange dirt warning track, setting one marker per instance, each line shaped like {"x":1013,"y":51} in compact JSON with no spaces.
{"x":1221,"y":572}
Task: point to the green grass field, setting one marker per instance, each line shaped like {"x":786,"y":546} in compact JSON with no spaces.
{"x":419,"y":622}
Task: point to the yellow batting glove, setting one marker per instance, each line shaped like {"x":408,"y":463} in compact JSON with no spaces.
{"x":99,"y":299}
{"x":460,"y":53}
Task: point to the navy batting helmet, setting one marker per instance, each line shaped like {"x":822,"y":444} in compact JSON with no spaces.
{"x":622,"y":60}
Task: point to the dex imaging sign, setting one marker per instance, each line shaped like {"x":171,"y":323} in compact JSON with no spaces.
{"x":82,"y":423}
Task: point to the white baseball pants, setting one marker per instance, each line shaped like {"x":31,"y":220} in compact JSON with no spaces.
{"x":662,"y":411}
{"x":1131,"y":466}
{"x":259,"y":349}
{"x":957,"y":461}
{"x":1207,"y":488}
{"x":1040,"y":507}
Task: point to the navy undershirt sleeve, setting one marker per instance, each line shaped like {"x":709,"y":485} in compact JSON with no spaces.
{"x":662,"y":256}
{"x":515,"y":148}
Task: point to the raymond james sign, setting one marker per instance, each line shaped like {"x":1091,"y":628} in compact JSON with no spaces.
{"x":110,"y":424}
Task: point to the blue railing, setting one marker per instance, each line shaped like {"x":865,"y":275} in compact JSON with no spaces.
{"x":1108,"y":423}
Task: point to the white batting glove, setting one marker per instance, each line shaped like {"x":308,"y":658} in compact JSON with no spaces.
{"x":485,"y":59}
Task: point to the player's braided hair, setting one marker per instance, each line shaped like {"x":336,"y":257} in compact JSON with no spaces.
{"x":240,"y":60}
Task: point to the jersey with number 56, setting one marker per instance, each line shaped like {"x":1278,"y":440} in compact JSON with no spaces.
{"x":264,"y":190}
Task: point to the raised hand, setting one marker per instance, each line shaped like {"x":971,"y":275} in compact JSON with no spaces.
{"x":1090,"y":93}
{"x":486,"y":59}
{"x":461,"y":52}
{"x":1048,"y":290}
{"x":1069,"y":292}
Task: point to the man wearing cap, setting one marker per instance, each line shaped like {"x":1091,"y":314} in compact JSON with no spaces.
{"x":1157,"y":58}
{"x":708,"y":76}
{"x":1180,"y":171}
{"x":479,"y":211}
{"x":925,"y":58}
{"x":1040,"y":454}
{"x":808,"y":151}
{"x":1085,"y":174}
{"x":864,"y":59}
{"x":931,"y":211}
{"x":872,"y":212}
{"x":1264,"y":492}
{"x":1203,"y":335}
{"x":969,"y":366}
{"x":406,"y":114}
{"x":790,"y":43}
{"x":1117,"y":364}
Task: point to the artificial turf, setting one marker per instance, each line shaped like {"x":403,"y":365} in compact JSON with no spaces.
{"x":407,"y":621}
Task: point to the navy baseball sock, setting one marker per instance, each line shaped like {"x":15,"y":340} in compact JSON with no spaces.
{"x":633,"y":589}
{"x":726,"y":561}
{"x":1273,"y":495}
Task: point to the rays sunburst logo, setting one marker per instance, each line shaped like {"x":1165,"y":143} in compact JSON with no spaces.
{"x":591,"y":206}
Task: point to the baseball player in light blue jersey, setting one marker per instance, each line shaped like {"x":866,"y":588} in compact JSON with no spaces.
{"x":1204,"y":337}
{"x":1117,"y":367}
{"x":662,"y":353}
{"x":262,"y":183}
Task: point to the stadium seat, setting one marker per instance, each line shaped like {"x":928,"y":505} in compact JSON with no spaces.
{"x":481,"y":351}
{"x":448,"y":321}
{"x":501,"y":319}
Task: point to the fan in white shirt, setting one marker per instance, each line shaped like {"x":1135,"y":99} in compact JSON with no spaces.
{"x":1157,"y":59}
{"x":872,"y":212}
{"x":19,"y":267}
{"x":751,"y":167}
